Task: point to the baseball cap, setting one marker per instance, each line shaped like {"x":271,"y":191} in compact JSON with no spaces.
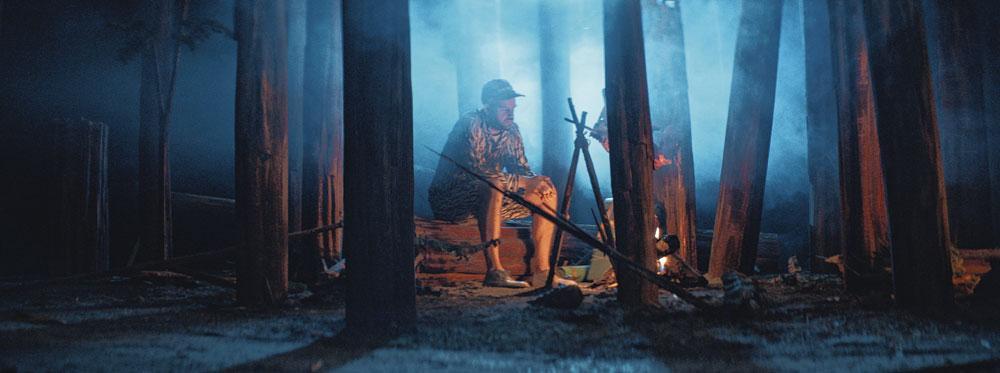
{"x":498,"y":90}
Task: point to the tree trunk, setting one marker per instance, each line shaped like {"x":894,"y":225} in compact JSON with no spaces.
{"x":958,"y":78}
{"x":631,"y":140}
{"x":910,"y":149}
{"x":673,"y":184}
{"x":262,"y":151}
{"x":862,"y":200}
{"x":79,"y":210}
{"x":748,"y":139}
{"x":159,"y":67}
{"x":474,"y":51}
{"x":378,"y":168}
{"x":557,"y":144}
{"x":989,"y":39}
{"x":322,"y":135}
{"x":296,"y":57}
{"x":821,"y":117}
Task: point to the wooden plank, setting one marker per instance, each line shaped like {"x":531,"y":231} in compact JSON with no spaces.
{"x":911,"y":153}
{"x":748,"y":140}
{"x":378,"y":168}
{"x":631,"y":146}
{"x":262,"y":152}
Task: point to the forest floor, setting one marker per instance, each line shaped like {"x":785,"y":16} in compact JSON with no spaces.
{"x":162,"y":321}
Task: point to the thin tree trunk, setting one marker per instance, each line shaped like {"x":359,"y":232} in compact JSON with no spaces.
{"x":557,"y":144}
{"x":862,"y":199}
{"x":821,"y":116}
{"x":958,"y":75}
{"x":160,"y":58}
{"x":322,"y":135}
{"x":262,"y":151}
{"x":296,"y":58}
{"x":911,"y":155}
{"x":79,"y":210}
{"x":748,"y":140}
{"x":631,"y":139}
{"x":671,"y":114}
{"x":474,"y":51}
{"x":378,"y":168}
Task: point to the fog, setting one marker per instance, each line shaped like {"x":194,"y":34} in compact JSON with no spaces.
{"x":60,"y":60}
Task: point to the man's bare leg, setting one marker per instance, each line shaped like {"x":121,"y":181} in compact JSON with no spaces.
{"x":489,"y":227}
{"x":542,"y":231}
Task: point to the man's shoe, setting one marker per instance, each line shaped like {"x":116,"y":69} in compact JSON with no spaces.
{"x":538,"y":280}
{"x":500,"y":278}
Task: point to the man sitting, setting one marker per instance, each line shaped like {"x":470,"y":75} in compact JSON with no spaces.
{"x":488,"y":141}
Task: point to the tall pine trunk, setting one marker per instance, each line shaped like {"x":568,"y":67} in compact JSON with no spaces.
{"x":474,"y":50}
{"x":673,"y":184}
{"x":378,"y":168}
{"x":296,"y":57}
{"x":821,"y":122}
{"x":958,"y":91}
{"x":631,"y":141}
{"x":748,"y":140}
{"x":262,"y":152}
{"x":557,"y":144}
{"x":911,"y":153}
{"x":862,"y":199}
{"x":322,"y":184}
{"x":159,"y":68}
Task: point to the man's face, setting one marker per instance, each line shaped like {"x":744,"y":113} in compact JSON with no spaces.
{"x":504,"y":111}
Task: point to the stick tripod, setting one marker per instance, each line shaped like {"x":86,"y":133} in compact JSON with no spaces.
{"x":581,"y":145}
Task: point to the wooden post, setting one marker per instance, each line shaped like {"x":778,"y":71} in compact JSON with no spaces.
{"x":864,"y":219}
{"x":261,"y":152}
{"x":958,"y":78}
{"x":671,"y":117}
{"x":296,"y":57}
{"x":557,"y":144}
{"x":748,"y":140}
{"x":322,"y":136}
{"x":911,"y":156}
{"x":79,"y":208}
{"x":821,"y":122}
{"x":378,"y":168}
{"x":631,"y":141}
{"x":159,"y":68}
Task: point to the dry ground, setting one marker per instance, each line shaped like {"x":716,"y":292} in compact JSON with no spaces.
{"x":168,"y":322}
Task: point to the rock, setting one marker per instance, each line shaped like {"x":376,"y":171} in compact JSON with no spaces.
{"x":566,"y":298}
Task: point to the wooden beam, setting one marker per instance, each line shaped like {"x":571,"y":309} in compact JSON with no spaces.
{"x":911,"y":153}
{"x":322,"y":180}
{"x":261,"y":152}
{"x":378,"y":168}
{"x":958,"y":92}
{"x":670,"y":112}
{"x":748,"y":140}
{"x":821,"y":129}
{"x":864,"y":220}
{"x":631,"y":139}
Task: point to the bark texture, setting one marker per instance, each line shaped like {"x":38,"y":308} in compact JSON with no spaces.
{"x":862,"y":198}
{"x":262,"y":152}
{"x":631,"y":139}
{"x":673,"y":184}
{"x":748,"y":140}
{"x":911,"y":153}
{"x":378,"y":168}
